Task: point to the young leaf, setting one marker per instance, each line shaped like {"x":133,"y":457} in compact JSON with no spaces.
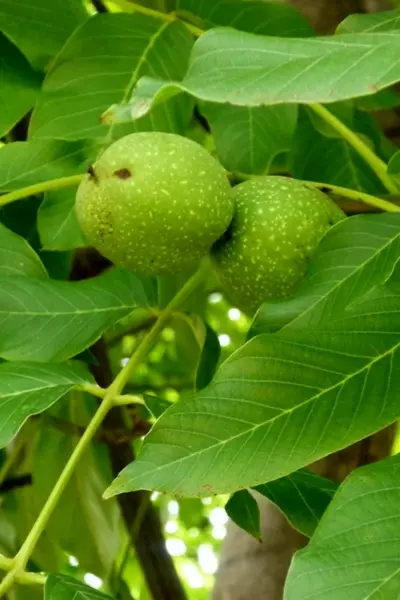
{"x":28,"y":389}
{"x":302,"y":496}
{"x":243,"y":69}
{"x":40,"y":27}
{"x":17,"y":257}
{"x":57,"y":222}
{"x":243,"y":509}
{"x":97,"y":67}
{"x":355,"y":255}
{"x":19,"y":82}
{"x":276,"y":405}
{"x":27,"y":163}
{"x":354,"y":551}
{"x":263,"y":18}
{"x":316,"y":157}
{"x":62,"y":317}
{"x":388,"y":20}
{"x":60,"y":587}
{"x":82,"y":524}
{"x":248,"y":139}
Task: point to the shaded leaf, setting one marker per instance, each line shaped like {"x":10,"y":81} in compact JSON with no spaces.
{"x":17,"y":257}
{"x":40,"y":27}
{"x":82,"y":523}
{"x":243,"y":509}
{"x":388,"y":20}
{"x":60,"y":587}
{"x":248,"y":139}
{"x":57,"y":221}
{"x":97,"y":67}
{"x":356,"y":254}
{"x":315,"y":157}
{"x":302,"y":497}
{"x":28,"y":389}
{"x":394,"y":166}
{"x":62,"y":317}
{"x":26,"y":163}
{"x":209,"y":358}
{"x":18,"y":82}
{"x":263,"y":18}
{"x":278,"y":404}
{"x":242,"y":69}
{"x":354,"y":551}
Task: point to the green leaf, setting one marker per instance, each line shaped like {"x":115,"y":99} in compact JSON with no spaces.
{"x":28,"y":389}
{"x":40,"y":27}
{"x":156,"y":405}
{"x":276,"y":405}
{"x":19,"y":86}
{"x":243,"y":69}
{"x":82,"y":524}
{"x":248,"y":139}
{"x":63,"y":318}
{"x":57,"y":221}
{"x":381,"y":21}
{"x":394,"y":166}
{"x":17,"y":257}
{"x":27,"y":163}
{"x":243,"y":509}
{"x":209,"y":359}
{"x":355,"y":255}
{"x":302,"y":497}
{"x":263,"y":18}
{"x":354,"y":551}
{"x":315,"y":157}
{"x":98,"y":66}
{"x":60,"y":587}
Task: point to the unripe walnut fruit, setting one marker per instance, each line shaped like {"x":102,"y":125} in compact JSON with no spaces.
{"x":277,"y":226}
{"x":154,"y":203}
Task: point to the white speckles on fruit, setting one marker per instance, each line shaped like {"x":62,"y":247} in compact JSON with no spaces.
{"x":154,"y":202}
{"x":277,"y":225}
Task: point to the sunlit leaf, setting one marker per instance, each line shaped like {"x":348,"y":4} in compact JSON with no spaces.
{"x":355,"y":255}
{"x":247,"y":139}
{"x":27,"y":163}
{"x":278,"y":404}
{"x":354,"y":551}
{"x":18,"y":82}
{"x":243,"y":69}
{"x":376,"y":22}
{"x":63,"y":318}
{"x":97,"y":67}
{"x":40,"y":27}
{"x":57,"y":221}
{"x":28,"y":389}
{"x":17,"y":257}
{"x":263,"y":18}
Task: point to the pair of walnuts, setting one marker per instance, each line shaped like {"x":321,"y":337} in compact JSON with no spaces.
{"x":156,"y":203}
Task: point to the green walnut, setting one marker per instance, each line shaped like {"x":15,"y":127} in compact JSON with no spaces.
{"x":277,"y":225}
{"x":154,"y":203}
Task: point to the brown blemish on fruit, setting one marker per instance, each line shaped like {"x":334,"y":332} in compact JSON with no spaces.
{"x":92,"y":173}
{"x":122,"y":173}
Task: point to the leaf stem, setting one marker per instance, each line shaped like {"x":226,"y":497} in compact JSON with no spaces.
{"x":38,"y":188}
{"x":356,"y":195}
{"x":111,"y":397}
{"x":377,"y":165}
